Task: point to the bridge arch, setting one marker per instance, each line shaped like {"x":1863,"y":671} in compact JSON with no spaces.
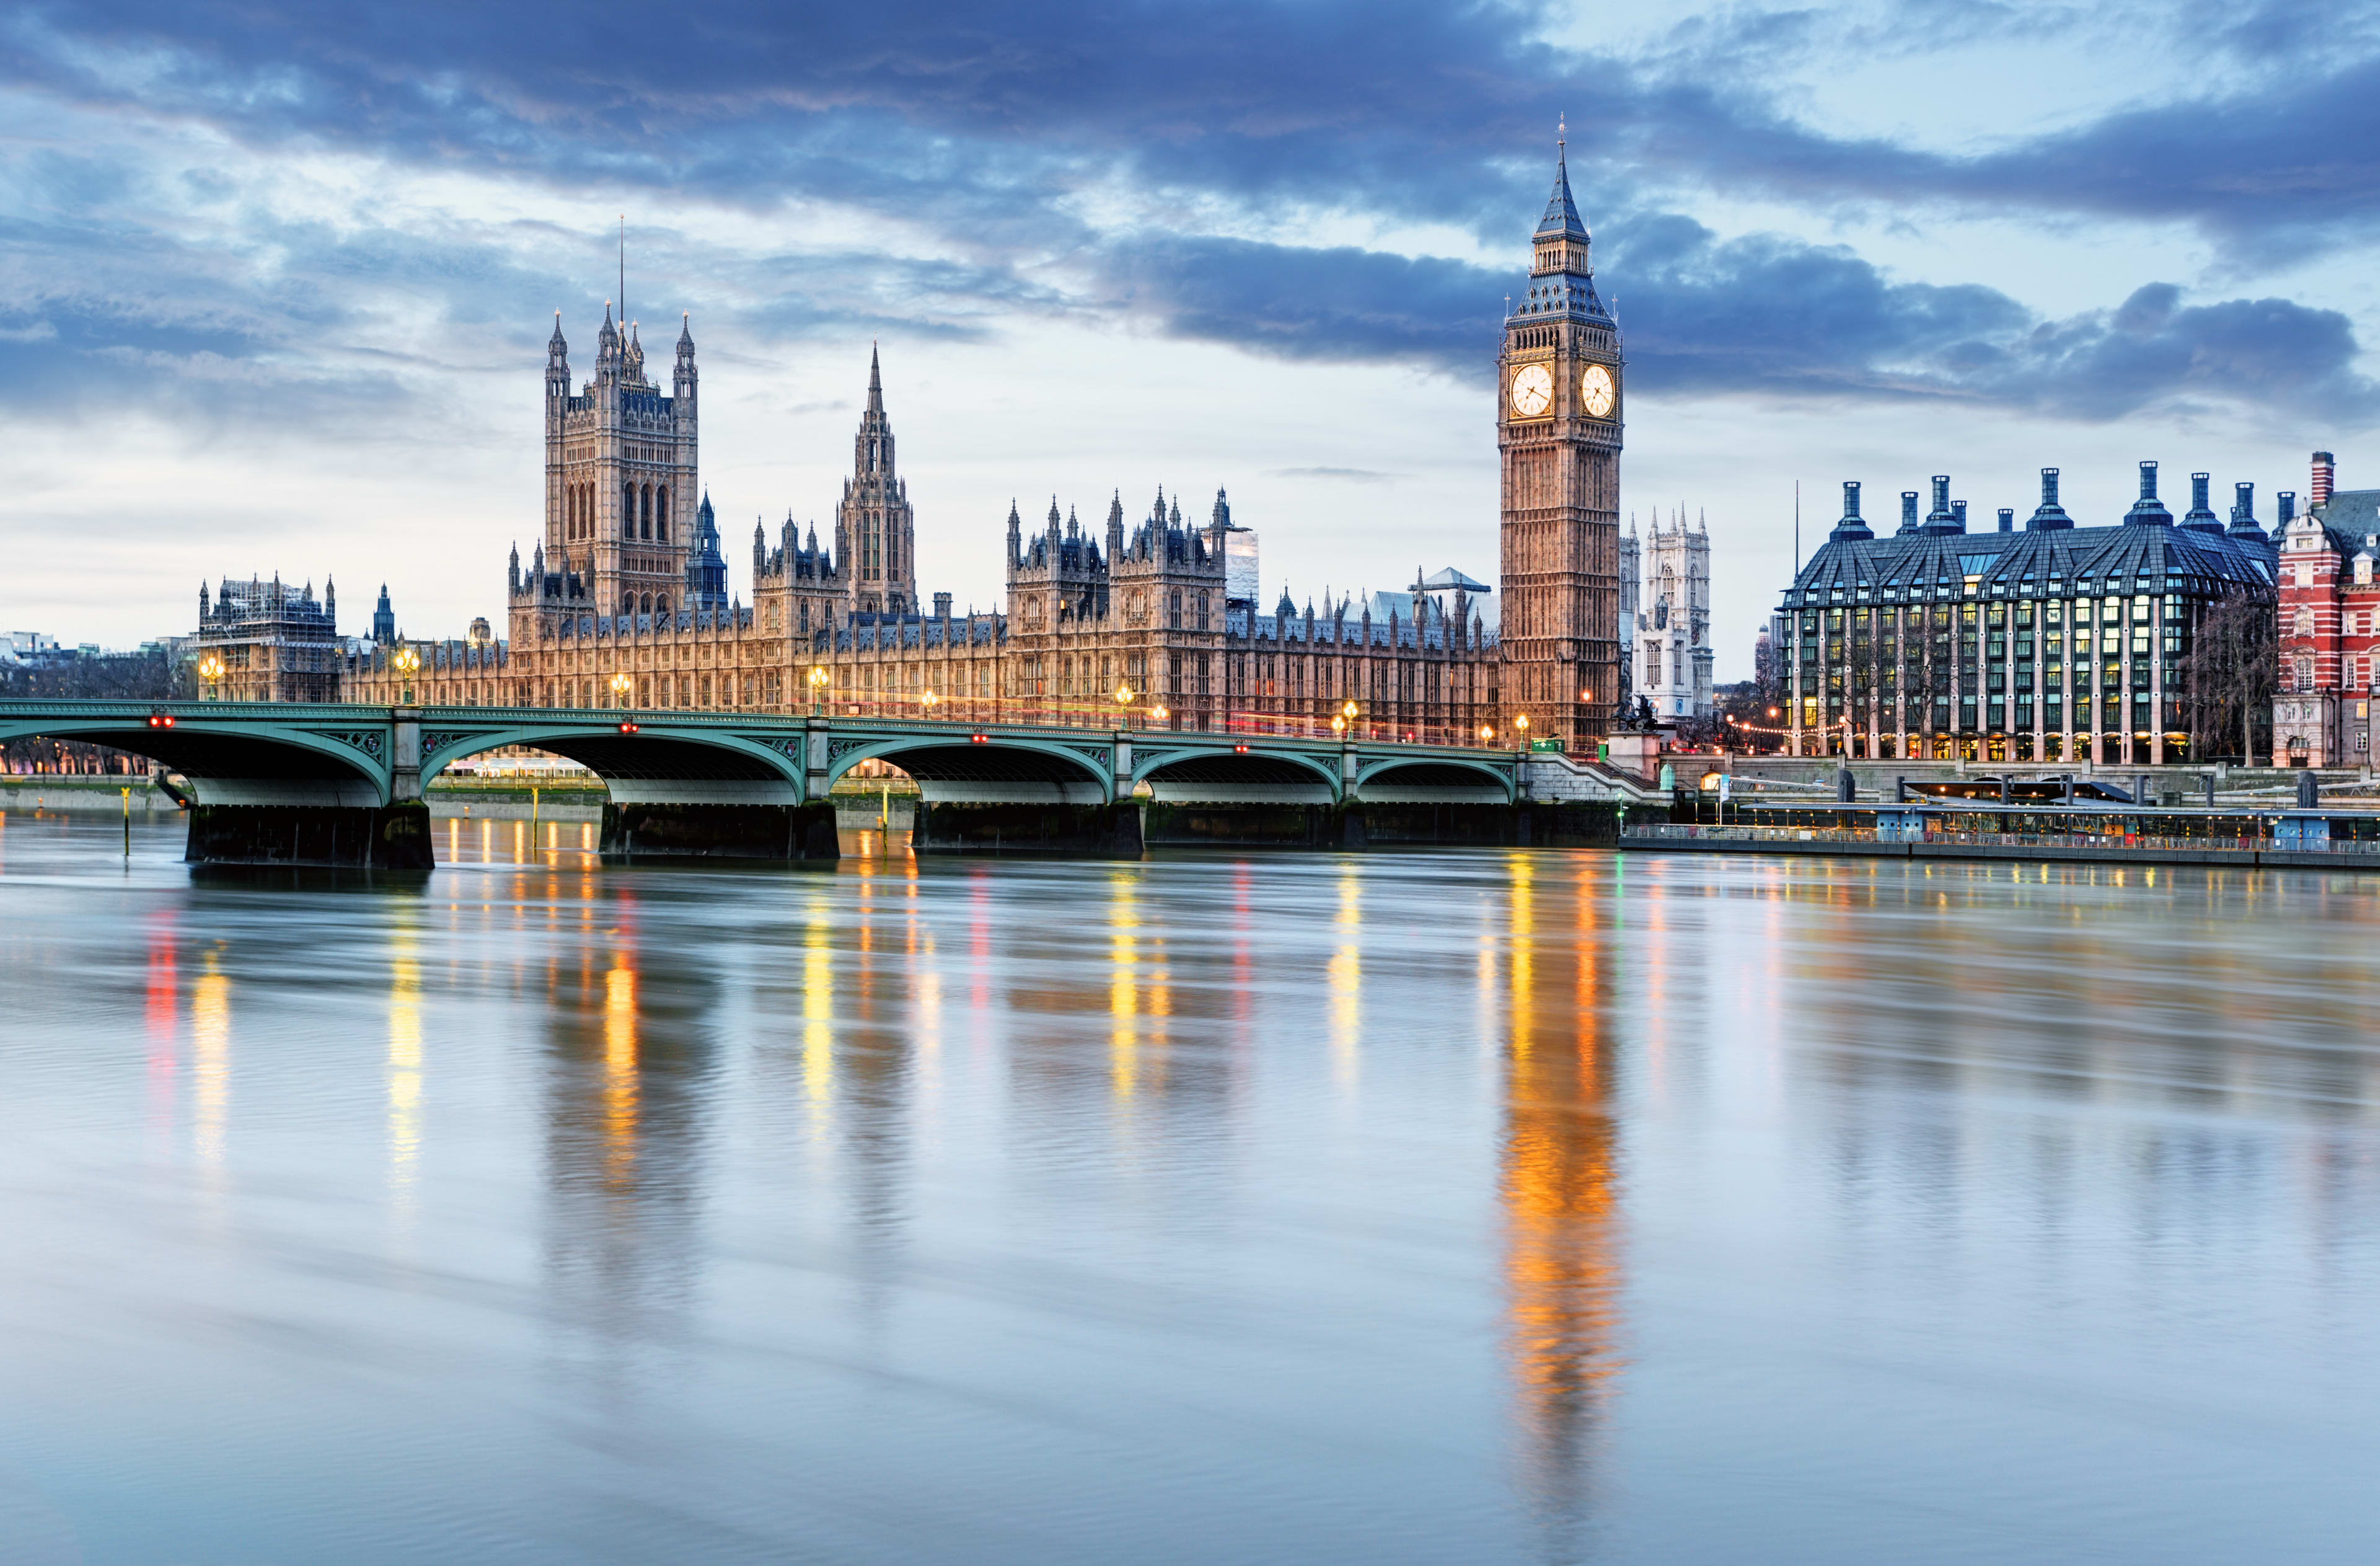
{"x":661,"y":762}
{"x":1222,"y":770}
{"x":342,"y":760}
{"x":1435,"y":778}
{"x":1024,"y":767}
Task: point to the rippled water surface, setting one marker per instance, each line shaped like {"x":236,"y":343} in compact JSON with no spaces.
{"x":1441,"y":1207}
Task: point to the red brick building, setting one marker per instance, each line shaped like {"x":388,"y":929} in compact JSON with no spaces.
{"x":2330,"y":629}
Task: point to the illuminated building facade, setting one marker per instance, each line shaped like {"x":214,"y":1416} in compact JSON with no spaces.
{"x":2052,"y":643}
{"x":623,"y":601}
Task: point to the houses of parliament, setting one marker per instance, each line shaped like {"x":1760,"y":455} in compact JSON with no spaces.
{"x":1150,"y":618}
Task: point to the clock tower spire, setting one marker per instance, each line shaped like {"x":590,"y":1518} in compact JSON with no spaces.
{"x":1557,"y":429}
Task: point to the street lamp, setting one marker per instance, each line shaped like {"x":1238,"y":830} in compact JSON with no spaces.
{"x":1339,"y":724}
{"x":927,"y":700}
{"x":407,"y":660}
{"x":1521,"y":724}
{"x":621,"y":685}
{"x":211,"y":668}
{"x":1486,"y":733}
{"x":1157,"y":714}
{"x":1123,"y":701}
{"x":818,"y":687}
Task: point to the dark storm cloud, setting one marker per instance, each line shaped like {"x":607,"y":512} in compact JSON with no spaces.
{"x":989,"y":123}
{"x":1764,"y":314}
{"x":992,"y":112}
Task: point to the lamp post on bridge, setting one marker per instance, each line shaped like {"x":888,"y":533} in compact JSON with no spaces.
{"x":1123,"y":705}
{"x":211,"y":668}
{"x":818,"y":687}
{"x":406,"y":661}
{"x":621,"y":686}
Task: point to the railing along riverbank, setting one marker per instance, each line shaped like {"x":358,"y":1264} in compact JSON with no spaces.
{"x":2359,"y":854}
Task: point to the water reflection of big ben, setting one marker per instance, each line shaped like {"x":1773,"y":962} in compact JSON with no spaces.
{"x":1560,"y":1189}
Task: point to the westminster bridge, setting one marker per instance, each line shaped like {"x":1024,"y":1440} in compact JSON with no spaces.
{"x":343,"y":783}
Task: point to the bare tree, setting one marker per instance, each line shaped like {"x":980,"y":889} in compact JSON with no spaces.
{"x":2233,"y":671}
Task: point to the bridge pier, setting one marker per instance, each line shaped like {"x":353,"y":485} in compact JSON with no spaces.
{"x":1112,"y":831}
{"x":678,"y":830}
{"x":385,"y":837}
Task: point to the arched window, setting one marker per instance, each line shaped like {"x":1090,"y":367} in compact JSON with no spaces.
{"x":1174,"y":619}
{"x":628,"y":511}
{"x":648,"y":603}
{"x":660,"y":514}
{"x":660,"y":604}
{"x":628,"y":603}
{"x":1202,"y":611}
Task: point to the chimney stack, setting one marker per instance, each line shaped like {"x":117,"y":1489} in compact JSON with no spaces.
{"x":2007,"y":520}
{"x":1939,"y":519}
{"x":1958,"y":517}
{"x":941,"y":606}
{"x":2243,"y":511}
{"x":1852,"y":525}
{"x":2201,"y":517}
{"x":2148,"y":511}
{"x":2051,"y":514}
{"x":1909,"y":511}
{"x":2324,"y":467}
{"x":2288,"y":499}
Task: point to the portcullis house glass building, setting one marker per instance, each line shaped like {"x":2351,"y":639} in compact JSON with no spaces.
{"x":2046,"y":643}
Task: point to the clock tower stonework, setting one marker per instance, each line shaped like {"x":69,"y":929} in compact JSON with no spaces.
{"x":1560,"y":399}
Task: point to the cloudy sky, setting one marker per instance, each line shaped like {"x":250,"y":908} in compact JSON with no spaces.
{"x":278,"y":276}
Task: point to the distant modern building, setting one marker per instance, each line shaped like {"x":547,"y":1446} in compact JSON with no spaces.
{"x":275,"y":642}
{"x":2056,"y":643}
{"x":2328,"y":635}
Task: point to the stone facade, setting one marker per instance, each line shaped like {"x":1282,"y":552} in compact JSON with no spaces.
{"x":1672,"y":646}
{"x":1558,"y":428}
{"x":1150,"y":622}
{"x":272,"y":642}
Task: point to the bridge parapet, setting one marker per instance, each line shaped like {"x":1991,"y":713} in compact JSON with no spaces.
{"x":697,"y":782}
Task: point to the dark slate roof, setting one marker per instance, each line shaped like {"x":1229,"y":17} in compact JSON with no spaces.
{"x":2139,"y":558}
{"x":2349,"y":517}
{"x":1562,"y":212}
{"x":1562,"y":296}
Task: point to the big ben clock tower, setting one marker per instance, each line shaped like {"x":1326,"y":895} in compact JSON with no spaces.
{"x":1558,"y":421}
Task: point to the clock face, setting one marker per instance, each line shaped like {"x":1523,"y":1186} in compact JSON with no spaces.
{"x":1595,"y":391}
{"x":1533,"y":390}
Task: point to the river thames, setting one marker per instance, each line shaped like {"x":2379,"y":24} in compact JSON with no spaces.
{"x":1409,"y":1207}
